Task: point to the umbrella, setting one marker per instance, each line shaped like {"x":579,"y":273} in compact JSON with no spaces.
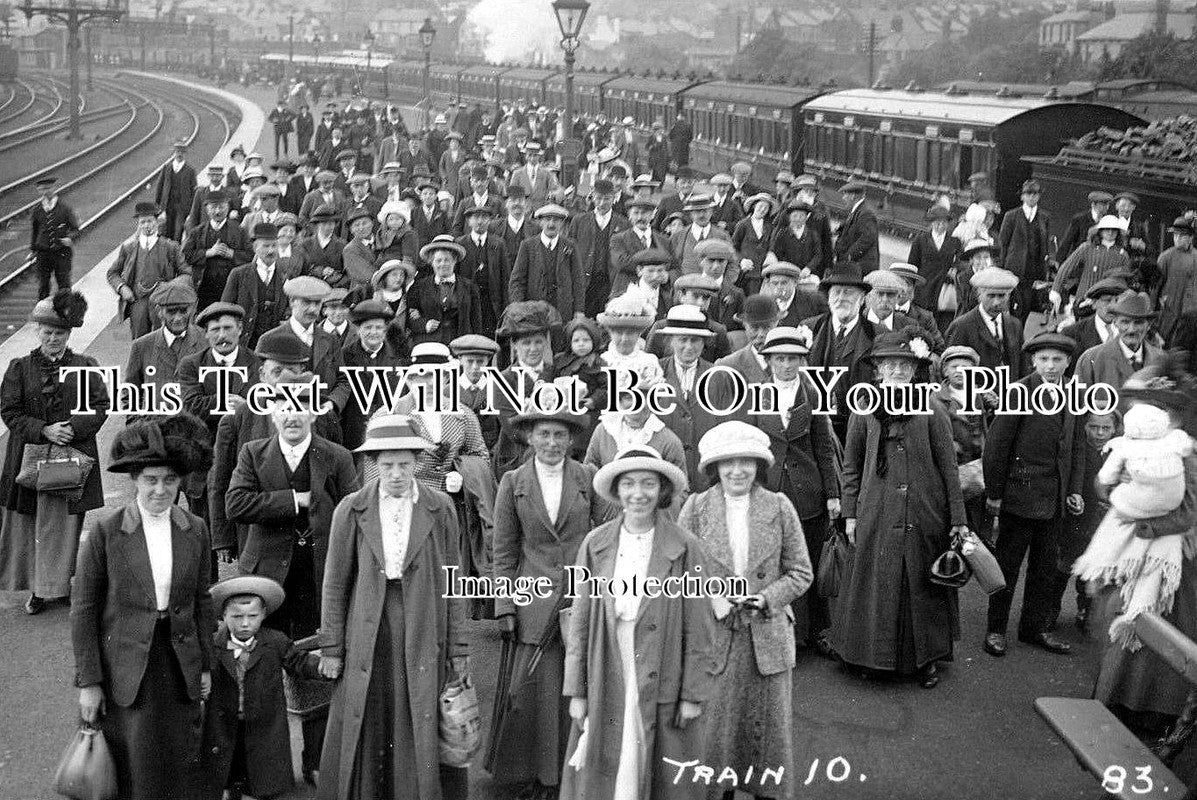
{"x":502,"y":701}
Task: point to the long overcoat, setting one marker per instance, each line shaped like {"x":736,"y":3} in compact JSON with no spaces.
{"x":902,"y":524}
{"x":354,"y":594}
{"x":673,"y":639}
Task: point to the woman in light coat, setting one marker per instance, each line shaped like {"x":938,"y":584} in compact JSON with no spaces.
{"x":637,"y":667}
{"x":752,"y":533}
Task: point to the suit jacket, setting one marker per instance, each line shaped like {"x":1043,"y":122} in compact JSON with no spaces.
{"x":493,"y":201}
{"x":583,"y":229}
{"x":1075,"y":235}
{"x":390,"y":148}
{"x":151,"y":350}
{"x":459,"y":311}
{"x":216,"y":269}
{"x":1085,"y":334}
{"x":244,"y":289}
{"x":668,"y":205}
{"x":727,"y":214}
{"x":173,"y":194}
{"x":164,"y":262}
{"x":199,"y":395}
{"x":971,"y":330}
{"x":489,"y":269}
{"x":359,"y":260}
{"x":326,"y":365}
{"x":860,"y":369}
{"x":1106,"y":363}
{"x":527,"y":544}
{"x":314,"y":199}
{"x":933,"y":263}
{"x":1015,"y":239}
{"x":353,"y":417}
{"x":751,"y":246}
{"x":537,"y":268}
{"x":512,"y":239}
{"x":779,"y":569}
{"x":682,"y":246}
{"x":331,"y":257}
{"x":199,"y":199}
{"x":1032,"y":462}
{"x":47,"y":227}
{"x":428,"y":228}
{"x":114,"y":607}
{"x":260,"y":496}
{"x":538,"y":189}
{"x":624,"y":245}
{"x":857,"y":239}
{"x":690,"y":419}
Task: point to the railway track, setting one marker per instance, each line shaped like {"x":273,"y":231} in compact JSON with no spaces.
{"x":37,"y":131}
{"x":43,"y":92}
{"x":102,"y":178}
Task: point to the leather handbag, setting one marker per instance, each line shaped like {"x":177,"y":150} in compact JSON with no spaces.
{"x":86,"y":770}
{"x":56,"y":469}
{"x":834,"y":561}
{"x":950,"y":569}
{"x":460,"y":723}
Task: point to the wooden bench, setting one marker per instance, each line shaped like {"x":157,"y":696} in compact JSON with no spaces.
{"x":1103,"y":745}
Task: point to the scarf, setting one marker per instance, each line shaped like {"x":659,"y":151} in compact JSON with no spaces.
{"x":891,"y":428}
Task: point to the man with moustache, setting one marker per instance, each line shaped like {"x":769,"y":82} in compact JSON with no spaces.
{"x":759,"y":316}
{"x":513,"y":228}
{"x":548,"y":268}
{"x":221,"y":325}
{"x":214,"y":248}
{"x":258,"y":286}
{"x":684,"y":182}
{"x":592,"y":232}
{"x":631,"y":240}
{"x":989,"y":328}
{"x":143,"y":263}
{"x":1115,"y":360}
{"x":1097,"y":325}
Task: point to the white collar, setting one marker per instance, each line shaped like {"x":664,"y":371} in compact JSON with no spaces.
{"x":177,"y":165}
{"x":336,"y":329}
{"x":698,"y":232}
{"x":480,"y":200}
{"x":479,"y":238}
{"x":147,"y":242}
{"x":655,"y":291}
{"x":170,"y":337}
{"x":549,"y":469}
{"x":551,"y":244}
{"x":322,"y":240}
{"x":298,"y":450}
{"x":226,"y":361}
{"x":1131,"y":354}
{"x":1029,"y":212}
{"x":284,"y":251}
{"x":219,"y":227}
{"x":53,"y":202}
{"x":262,"y":265}
{"x":300,"y":331}
{"x":1104,"y":329}
{"x":515,"y":224}
{"x":873,"y":318}
{"x":856,"y":205}
{"x":603,"y":220}
{"x":847,"y":327}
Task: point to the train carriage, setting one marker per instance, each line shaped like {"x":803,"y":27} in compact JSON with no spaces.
{"x":755,"y":123}
{"x":646,"y":99}
{"x":525,"y":82}
{"x":915,"y":146}
{"x":480,"y":84}
{"x":443,"y":85}
{"x":407,"y":80}
{"x":588,"y":91}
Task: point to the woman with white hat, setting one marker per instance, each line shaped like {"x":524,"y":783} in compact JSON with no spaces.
{"x":385,"y":613}
{"x":637,"y":664}
{"x":396,"y":237}
{"x":1101,"y":256}
{"x":752,"y":237}
{"x":443,"y":305}
{"x":625,"y":320}
{"x":750,"y":714}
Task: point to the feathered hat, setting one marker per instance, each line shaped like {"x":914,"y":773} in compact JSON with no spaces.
{"x":179,"y":442}
{"x":65,"y":309}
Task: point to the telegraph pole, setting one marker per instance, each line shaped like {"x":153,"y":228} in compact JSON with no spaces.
{"x":869,"y":45}
{"x":291,"y":41}
{"x":87,"y":53}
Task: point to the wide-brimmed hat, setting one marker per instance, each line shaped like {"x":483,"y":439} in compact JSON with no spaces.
{"x":371,"y":309}
{"x":1111,"y":222}
{"x":684,"y":320}
{"x":393,"y":207}
{"x":526,"y":318}
{"x":268,"y":589}
{"x":907,"y":271}
{"x":628,"y":311}
{"x":635,"y":459}
{"x":1136,"y":305}
{"x":389,"y":266}
{"x":442,"y":242}
{"x":897,"y":345}
{"x":1050,"y":340}
{"x":179,"y":442}
{"x":698,"y":202}
{"x":976,"y":246}
{"x":758,"y":309}
{"x":392,"y":432}
{"x":146,"y":209}
{"x":761,"y":197}
{"x":845,"y":274}
{"x":787,"y":341}
{"x":64,"y":309}
{"x":734,"y":439}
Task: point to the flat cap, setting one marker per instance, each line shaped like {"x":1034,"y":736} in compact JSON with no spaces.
{"x":1106,"y":287}
{"x":325,"y":175}
{"x":715,"y":248}
{"x":961,"y":351}
{"x":336,"y":295}
{"x":473,"y":344}
{"x":1050,"y":340}
{"x":306,"y":287}
{"x":651,"y":256}
{"x":1100,"y":197}
{"x":551,"y":210}
{"x":174,"y":293}
{"x":885,"y":281}
{"x":1134,"y":198}
{"x":217,"y":310}
{"x":359,"y":177}
{"x":994,"y":279}
{"x":853,"y":187}
{"x":696,"y":282}
{"x":269,"y":190}
{"x":371,"y":309}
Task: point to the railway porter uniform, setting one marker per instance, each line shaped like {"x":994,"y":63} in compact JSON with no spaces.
{"x":53,"y":228}
{"x":174,"y":192}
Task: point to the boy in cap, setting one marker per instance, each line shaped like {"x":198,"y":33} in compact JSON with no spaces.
{"x":143,"y":263}
{"x":475,"y":352}
{"x":247,"y":745}
{"x":175,"y":190}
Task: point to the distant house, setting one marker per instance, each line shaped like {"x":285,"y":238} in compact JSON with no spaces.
{"x":1060,"y":31}
{"x":1110,"y":37}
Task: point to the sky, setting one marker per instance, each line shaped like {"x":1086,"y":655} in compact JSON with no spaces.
{"x":516,"y":28}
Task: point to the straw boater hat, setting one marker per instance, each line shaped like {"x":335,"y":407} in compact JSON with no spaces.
{"x":389,"y":266}
{"x":267,"y":589}
{"x":976,"y":246}
{"x":684,"y":320}
{"x":733,"y":439}
{"x":431,"y":355}
{"x":179,"y":442}
{"x":907,"y":271}
{"x":392,"y":432}
{"x":634,"y":459}
{"x":393,"y":207}
{"x":442,"y":242}
{"x":146,"y":209}
{"x":626,"y":311}
{"x":65,"y":309}
{"x":787,"y":341}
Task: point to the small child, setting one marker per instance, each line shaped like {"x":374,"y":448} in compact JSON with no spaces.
{"x":476,"y":352}
{"x":584,"y":361}
{"x":1152,"y":453}
{"x":247,"y":709}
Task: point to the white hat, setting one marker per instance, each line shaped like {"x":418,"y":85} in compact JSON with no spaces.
{"x":439,"y":120}
{"x":394,"y":207}
{"x":1111,"y":222}
{"x":629,"y":121}
{"x":632,"y":459}
{"x":733,"y":440}
{"x":392,"y":432}
{"x":685,"y":320}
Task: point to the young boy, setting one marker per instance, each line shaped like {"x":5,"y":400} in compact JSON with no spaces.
{"x":336,"y":316}
{"x":476,"y":352}
{"x":247,"y":746}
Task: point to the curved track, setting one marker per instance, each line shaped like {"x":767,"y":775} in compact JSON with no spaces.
{"x":101,"y":177}
{"x":41,"y":99}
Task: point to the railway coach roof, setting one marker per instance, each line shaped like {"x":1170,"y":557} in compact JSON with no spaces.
{"x":484,"y":70}
{"x":929,"y":106}
{"x":639,"y":83}
{"x":751,"y":93}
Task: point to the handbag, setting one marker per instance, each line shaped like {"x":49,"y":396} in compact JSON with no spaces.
{"x":57,"y":469}
{"x":460,"y":723}
{"x":951,"y":569}
{"x":947,"y":300}
{"x":834,"y":560}
{"x":985,"y":567}
{"x":86,"y":770}
{"x":972,"y":479}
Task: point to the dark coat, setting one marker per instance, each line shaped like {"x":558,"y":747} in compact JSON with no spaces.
{"x":690,"y":419}
{"x":527,"y":544}
{"x":318,"y":259}
{"x":624,"y":245}
{"x":1075,"y":235}
{"x":26,"y":410}
{"x":728,"y":213}
{"x":173,"y":193}
{"x":493,"y":201}
{"x":114,"y":607}
{"x":537,"y":269}
{"x":1106,"y":363}
{"x":752,"y":247}
{"x":857,"y":239}
{"x":459,"y":311}
{"x":490,"y":270}
{"x":244,"y":288}
{"x":210,"y":274}
{"x":352,"y":604}
{"x":428,"y":228}
{"x":326,"y":363}
{"x":512,"y":446}
{"x":260,"y":496}
{"x":151,"y":350}
{"x":584,"y":231}
{"x":267,"y":738}
{"x":164,"y":262}
{"x":804,"y":253}
{"x":1029,"y":460}
{"x":199,"y":396}
{"x":970,"y":330}
{"x":860,"y":369}
{"x":1085,"y":334}
{"x":1017,"y":237}
{"x":512,"y":239}
{"x":902,"y":524}
{"x":934,"y":264}
{"x":353,"y":418}
{"x":47,"y":227}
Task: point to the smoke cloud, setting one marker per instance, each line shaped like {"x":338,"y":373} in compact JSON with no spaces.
{"x":516,"y":30}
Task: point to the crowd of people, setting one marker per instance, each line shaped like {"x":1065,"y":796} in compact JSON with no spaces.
{"x":454,"y":251}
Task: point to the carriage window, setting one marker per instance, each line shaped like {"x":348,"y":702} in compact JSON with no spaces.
{"x":905,"y":158}
{"x":920,"y":150}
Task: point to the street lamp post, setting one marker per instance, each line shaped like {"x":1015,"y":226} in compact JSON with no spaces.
{"x":427,"y":35}
{"x":570,"y":16}
{"x":368,"y":40}
{"x":87,"y":53}
{"x":291,"y":43}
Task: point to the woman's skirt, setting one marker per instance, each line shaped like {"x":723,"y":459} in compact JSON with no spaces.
{"x":536,"y":727}
{"x":630,"y":776}
{"x":155,"y":742}
{"x":37,"y":551}
{"x":749,"y":720}
{"x":385,"y":764}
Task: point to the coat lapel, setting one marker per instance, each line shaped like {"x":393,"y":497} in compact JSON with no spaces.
{"x":763,"y":535}
{"x":717,"y":546}
{"x":531,"y":487}
{"x":569,"y":492}
{"x":667,"y":546}
{"x":180,"y":556}
{"x":135,"y":551}
{"x":420,"y":530}
{"x":366,"y":505}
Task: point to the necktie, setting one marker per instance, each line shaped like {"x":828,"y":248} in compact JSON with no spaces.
{"x":176,"y":346}
{"x":648,"y":241}
{"x":239,"y":647}
{"x":840,"y":335}
{"x":997,"y":328}
{"x":702,"y":237}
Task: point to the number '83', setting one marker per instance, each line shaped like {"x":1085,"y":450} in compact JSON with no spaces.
{"x":1113,"y":780}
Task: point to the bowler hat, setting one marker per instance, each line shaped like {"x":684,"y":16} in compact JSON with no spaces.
{"x":1182,"y":225}
{"x":371,"y":309}
{"x":758,"y":309}
{"x":265,"y":230}
{"x":890,"y":344}
{"x":146,"y":209}
{"x":845,"y":274}
{"x":282,"y":345}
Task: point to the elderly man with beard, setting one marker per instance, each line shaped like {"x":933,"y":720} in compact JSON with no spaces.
{"x":843,"y":337}
{"x":154,"y":357}
{"x":1118,"y":358}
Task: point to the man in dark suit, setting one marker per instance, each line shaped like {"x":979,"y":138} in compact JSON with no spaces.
{"x":1119,"y":357}
{"x":592,"y":232}
{"x":369,"y":347}
{"x":781,"y":280}
{"x":174,"y":191}
{"x":304,"y":181}
{"x":990,"y":328}
{"x":480,"y":196}
{"x":199,"y":201}
{"x":485,"y":264}
{"x":428,"y":219}
{"x":154,"y":357}
{"x":548,"y":268}
{"x":1097,"y":326}
{"x":290,"y":199}
{"x":686,"y":331}
{"x":857,"y":239}
{"x":680,"y":134}
{"x":328,"y":121}
{"x":213,"y":248}
{"x":843,"y":337}
{"x":305,"y":126}
{"x":221,"y":326}
{"x":806,"y":190}
{"x":257,"y":287}
{"x":1023,"y":247}
{"x":513,"y":228}
{"x":416,"y":156}
{"x":685,"y":243}
{"x":922,"y":317}
{"x":323,"y":250}
{"x":1077,"y":232}
{"x":443,"y":305}
{"x":52,"y":232}
{"x":305,"y":296}
{"x":1143,"y":251}
{"x":684,"y":182}
{"x":630,"y":241}
{"x":758,"y":317}
{"x":727,"y":211}
{"x":1033,"y":476}
{"x":283,"y":121}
